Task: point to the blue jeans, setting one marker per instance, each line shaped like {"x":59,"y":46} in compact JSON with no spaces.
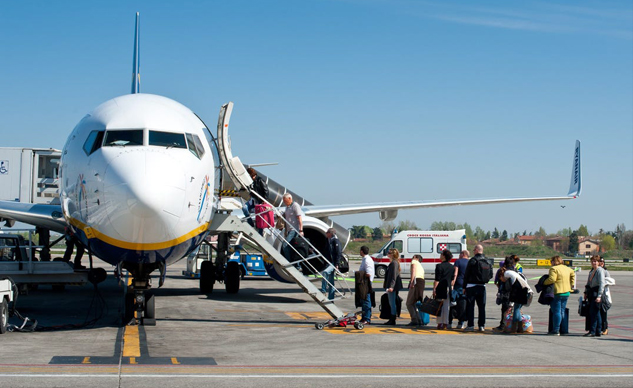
{"x":246,"y":209}
{"x":287,"y":250}
{"x":596,"y":318}
{"x":366,"y":306}
{"x":516,"y":315}
{"x":476,"y":294}
{"x":392,"y":302}
{"x":558,"y":306}
{"x":328,"y":276}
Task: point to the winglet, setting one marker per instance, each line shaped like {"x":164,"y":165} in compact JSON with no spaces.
{"x":574,"y":185}
{"x":136,"y":65}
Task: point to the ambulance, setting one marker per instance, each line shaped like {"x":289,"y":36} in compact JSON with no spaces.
{"x":428,"y":244}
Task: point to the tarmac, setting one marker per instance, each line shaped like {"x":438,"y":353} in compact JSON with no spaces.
{"x":265,"y":335}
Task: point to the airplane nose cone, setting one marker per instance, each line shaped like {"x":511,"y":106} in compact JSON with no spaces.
{"x":152,"y":185}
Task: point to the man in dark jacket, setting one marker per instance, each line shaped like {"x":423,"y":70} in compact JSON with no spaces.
{"x":475,"y":290}
{"x":333,"y":256}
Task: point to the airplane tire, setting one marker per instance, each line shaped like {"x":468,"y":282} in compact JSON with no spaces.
{"x":232,"y":275}
{"x":207,"y":277}
{"x":381,"y":271}
{"x":4,"y":316}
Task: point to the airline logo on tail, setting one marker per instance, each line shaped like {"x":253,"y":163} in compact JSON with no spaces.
{"x":574,"y":186}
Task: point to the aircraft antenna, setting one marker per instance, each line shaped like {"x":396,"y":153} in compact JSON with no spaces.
{"x":136,"y":65}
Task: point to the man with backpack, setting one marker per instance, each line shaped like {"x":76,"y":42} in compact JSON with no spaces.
{"x":478,"y":273}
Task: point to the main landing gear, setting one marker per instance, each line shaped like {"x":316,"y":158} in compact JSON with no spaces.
{"x":229,"y":272}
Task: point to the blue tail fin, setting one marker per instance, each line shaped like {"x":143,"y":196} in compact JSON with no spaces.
{"x":136,"y":71}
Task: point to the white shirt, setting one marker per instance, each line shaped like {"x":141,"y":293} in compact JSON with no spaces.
{"x":367,"y":265}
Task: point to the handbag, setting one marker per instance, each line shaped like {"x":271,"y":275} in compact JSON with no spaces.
{"x":583,"y":307}
{"x":431,"y":306}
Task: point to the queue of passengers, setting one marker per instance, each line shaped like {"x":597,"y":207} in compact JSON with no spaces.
{"x":462,"y":285}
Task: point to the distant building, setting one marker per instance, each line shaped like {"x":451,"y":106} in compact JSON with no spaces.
{"x":555,"y":243}
{"x":588,"y":246}
{"x":527,"y":240}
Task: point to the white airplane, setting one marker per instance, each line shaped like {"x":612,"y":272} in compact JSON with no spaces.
{"x":140,"y":181}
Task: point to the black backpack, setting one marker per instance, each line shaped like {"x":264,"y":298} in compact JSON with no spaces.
{"x":481,"y":270}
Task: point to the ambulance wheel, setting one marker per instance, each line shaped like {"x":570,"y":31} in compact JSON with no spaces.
{"x":319,"y":326}
{"x":149,"y":315}
{"x":359,"y":325}
{"x":4,"y":316}
{"x":381,"y":271}
{"x":232,"y":277}
{"x":207,"y":277}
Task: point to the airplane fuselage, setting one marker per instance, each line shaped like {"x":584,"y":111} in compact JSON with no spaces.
{"x":139,"y":180}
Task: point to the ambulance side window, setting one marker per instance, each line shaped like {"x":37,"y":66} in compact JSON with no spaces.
{"x":394,"y":244}
{"x":420,"y":245}
{"x":455,"y":248}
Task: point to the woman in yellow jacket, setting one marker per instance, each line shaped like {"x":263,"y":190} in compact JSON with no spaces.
{"x":563,"y":278}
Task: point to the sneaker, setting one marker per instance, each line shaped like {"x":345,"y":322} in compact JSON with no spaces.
{"x":450,"y":326}
{"x":412,"y":324}
{"x":605,"y":332}
{"x":552,"y":333}
{"x":461,"y":325}
{"x":589,"y":335}
{"x":470,"y":328}
{"x":481,"y":328}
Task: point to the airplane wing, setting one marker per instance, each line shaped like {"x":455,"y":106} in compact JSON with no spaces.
{"x":389,"y":210}
{"x":46,"y":216}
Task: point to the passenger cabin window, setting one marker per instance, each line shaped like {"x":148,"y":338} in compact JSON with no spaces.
{"x":195,"y":145}
{"x":124,"y":138}
{"x":93,"y":142}
{"x":397,"y":244}
{"x":420,"y":245}
{"x":167,"y":139}
{"x":455,"y":248}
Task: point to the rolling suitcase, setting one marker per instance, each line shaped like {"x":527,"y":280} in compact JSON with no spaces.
{"x":564,"y":323}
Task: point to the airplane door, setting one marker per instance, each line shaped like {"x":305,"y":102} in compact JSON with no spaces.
{"x":232,"y":164}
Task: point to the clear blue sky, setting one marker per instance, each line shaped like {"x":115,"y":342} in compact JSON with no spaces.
{"x":360,"y":101}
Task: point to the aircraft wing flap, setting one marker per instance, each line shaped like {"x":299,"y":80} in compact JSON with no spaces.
{"x":46,"y":216}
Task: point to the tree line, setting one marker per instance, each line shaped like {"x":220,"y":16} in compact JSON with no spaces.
{"x":619,"y":238}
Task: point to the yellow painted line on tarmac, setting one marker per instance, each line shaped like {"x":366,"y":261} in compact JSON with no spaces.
{"x":269,"y":325}
{"x":131,"y":342}
{"x":133,"y":361}
{"x":174,"y":361}
{"x":86,"y":360}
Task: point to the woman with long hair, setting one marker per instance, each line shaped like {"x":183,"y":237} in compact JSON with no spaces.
{"x":442,"y":287}
{"x":393,"y":284}
{"x":593,"y":294}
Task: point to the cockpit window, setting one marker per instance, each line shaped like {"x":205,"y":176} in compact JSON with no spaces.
{"x":124,"y":138}
{"x":167,"y":139}
{"x":195,"y":145}
{"x":93,"y":142}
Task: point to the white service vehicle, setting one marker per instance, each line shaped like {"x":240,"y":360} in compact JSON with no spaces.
{"x":6,"y":297}
{"x":29,"y":175}
{"x":428,"y":244}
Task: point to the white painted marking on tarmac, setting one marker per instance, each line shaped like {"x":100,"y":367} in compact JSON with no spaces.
{"x":277,"y":376}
